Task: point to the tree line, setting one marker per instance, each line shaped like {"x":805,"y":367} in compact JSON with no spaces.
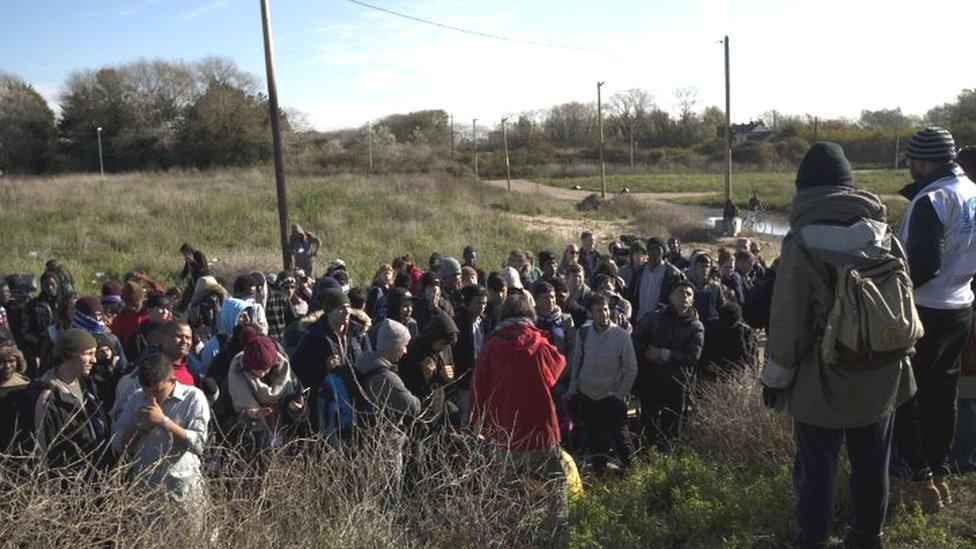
{"x":151,"y":114}
{"x":161,"y":114}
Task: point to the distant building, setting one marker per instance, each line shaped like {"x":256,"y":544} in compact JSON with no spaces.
{"x":753,"y":131}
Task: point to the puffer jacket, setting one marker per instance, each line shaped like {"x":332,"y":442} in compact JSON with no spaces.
{"x":828,"y":228}
{"x":682,"y":335}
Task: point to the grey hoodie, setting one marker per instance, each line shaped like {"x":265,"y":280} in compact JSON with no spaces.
{"x":609,"y":365}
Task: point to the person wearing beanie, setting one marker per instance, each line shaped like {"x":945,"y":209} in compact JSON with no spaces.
{"x":265,"y":394}
{"x":384,"y":390}
{"x":111,"y":299}
{"x":324,"y":360}
{"x":832,"y":225}
{"x":15,"y":401}
{"x":70,"y":426}
{"x":451,"y":282}
{"x":936,"y":232}
{"x":636,"y":259}
{"x":162,"y":431}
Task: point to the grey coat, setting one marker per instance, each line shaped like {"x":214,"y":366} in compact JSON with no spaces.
{"x":827,"y":228}
{"x":384,"y":389}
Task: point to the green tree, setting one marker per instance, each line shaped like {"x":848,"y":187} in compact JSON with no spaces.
{"x":27,"y":131}
{"x":225,"y":126}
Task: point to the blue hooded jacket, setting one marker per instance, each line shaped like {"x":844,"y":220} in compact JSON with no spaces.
{"x":230,"y":313}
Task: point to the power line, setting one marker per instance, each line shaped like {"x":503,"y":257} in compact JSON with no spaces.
{"x":467,"y":31}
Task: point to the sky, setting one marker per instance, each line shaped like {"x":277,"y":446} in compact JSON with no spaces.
{"x":343,"y":64}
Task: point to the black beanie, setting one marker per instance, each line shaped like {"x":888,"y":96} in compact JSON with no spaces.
{"x":824,"y":165}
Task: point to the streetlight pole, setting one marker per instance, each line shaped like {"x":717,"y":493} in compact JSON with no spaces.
{"x":632,"y":144}
{"x":369,"y":144}
{"x":101,"y":162}
{"x":279,"y":152}
{"x":508,"y":169}
{"x":452,"y":139}
{"x":474,"y":145}
{"x":599,"y":115}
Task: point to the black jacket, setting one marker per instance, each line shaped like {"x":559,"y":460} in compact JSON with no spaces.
{"x":423,"y":312}
{"x":198,"y":268}
{"x":926,"y":232}
{"x":69,"y":433}
{"x":463,"y":350}
{"x":728,"y":348}
{"x":420,"y":348}
{"x":683,"y":336}
{"x":15,"y":417}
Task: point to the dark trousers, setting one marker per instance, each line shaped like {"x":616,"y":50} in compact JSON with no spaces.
{"x":662,"y":396}
{"x":815,"y":471}
{"x":924,"y":425}
{"x":606,"y":425}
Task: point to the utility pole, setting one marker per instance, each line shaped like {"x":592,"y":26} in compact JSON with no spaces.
{"x":279,"y":153}
{"x":728,"y":129}
{"x":599,"y":115}
{"x":452,"y":139}
{"x":632,"y":144}
{"x":369,"y":144}
{"x":816,"y":129}
{"x":474,"y":145}
{"x":508,"y":169}
{"x":101,"y":162}
{"x":897,"y":143}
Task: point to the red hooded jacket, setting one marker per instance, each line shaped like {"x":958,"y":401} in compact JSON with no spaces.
{"x":511,"y":391}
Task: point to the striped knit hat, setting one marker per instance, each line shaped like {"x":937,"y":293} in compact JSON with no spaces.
{"x":931,"y":144}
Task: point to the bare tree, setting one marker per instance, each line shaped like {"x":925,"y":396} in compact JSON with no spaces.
{"x":687,"y":99}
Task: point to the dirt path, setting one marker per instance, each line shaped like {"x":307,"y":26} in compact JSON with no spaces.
{"x":527,"y":186}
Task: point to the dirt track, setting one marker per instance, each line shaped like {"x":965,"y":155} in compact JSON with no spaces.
{"x":531,"y":187}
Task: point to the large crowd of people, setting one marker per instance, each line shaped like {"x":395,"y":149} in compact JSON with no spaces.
{"x":579,"y":350}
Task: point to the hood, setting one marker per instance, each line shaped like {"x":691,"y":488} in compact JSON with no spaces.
{"x":835,"y":206}
{"x":523,"y":337}
{"x":230,"y":311}
{"x":440,"y":326}
{"x":361,"y":317}
{"x":837,"y":245}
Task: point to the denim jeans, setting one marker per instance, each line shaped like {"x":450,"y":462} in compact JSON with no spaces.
{"x":964,"y":441}
{"x":815,"y":471}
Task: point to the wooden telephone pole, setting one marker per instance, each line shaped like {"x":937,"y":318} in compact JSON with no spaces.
{"x":279,"y":153}
{"x":599,"y":115}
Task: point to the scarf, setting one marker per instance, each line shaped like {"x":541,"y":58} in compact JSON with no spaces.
{"x":87,"y":323}
{"x":268,"y":390}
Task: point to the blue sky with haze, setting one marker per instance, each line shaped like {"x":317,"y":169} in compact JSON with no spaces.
{"x":343,"y":64}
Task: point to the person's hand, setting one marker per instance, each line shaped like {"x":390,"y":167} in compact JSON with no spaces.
{"x":428,"y":367}
{"x":448,"y":372}
{"x":253,"y":413}
{"x":653,"y":354}
{"x":152,"y":413}
{"x":334,"y":362}
{"x":297,"y":403}
{"x":771,"y":397}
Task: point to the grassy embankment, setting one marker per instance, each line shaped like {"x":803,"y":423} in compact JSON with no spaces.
{"x":775,"y":189}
